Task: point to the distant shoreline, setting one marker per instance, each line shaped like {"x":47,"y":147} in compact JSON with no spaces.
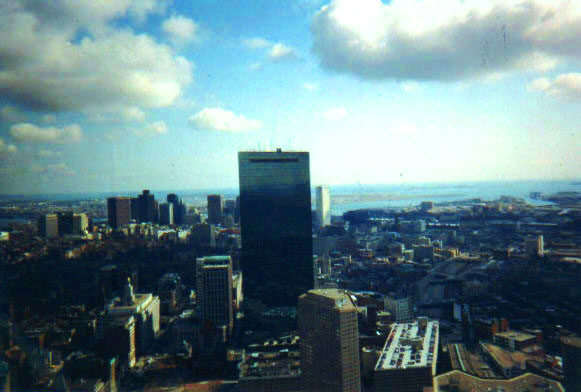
{"x":372,"y":197}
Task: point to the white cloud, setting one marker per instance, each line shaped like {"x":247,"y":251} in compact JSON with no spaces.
{"x":7,"y":148}
{"x":48,"y":153}
{"x":59,"y":169}
{"x":405,"y":129}
{"x":30,"y":133}
{"x":217,"y":119}
{"x":411,"y":87}
{"x":180,"y":30}
{"x":567,"y":86}
{"x":445,"y":39}
{"x":46,"y":67}
{"x":11,"y":114}
{"x":139,"y":9}
{"x":310,"y":86}
{"x":281,"y":53}
{"x":335,"y":114}
{"x":256,"y":43}
{"x":153,"y":129}
{"x":134,"y":114}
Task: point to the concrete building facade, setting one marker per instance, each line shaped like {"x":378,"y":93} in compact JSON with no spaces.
{"x":329,"y":341}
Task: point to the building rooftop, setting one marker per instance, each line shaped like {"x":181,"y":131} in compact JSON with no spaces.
{"x":571,"y":341}
{"x":334,"y":297}
{"x":275,"y":358}
{"x":506,"y":358}
{"x":141,"y":302}
{"x":516,"y":335}
{"x":410,"y":345}
{"x":462,"y":382}
{"x":215,"y":260}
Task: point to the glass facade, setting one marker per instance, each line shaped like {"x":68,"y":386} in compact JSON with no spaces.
{"x":275,"y":217}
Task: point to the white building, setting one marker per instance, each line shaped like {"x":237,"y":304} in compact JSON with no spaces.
{"x":400,"y":308}
{"x":408,"y":360}
{"x":145,"y":308}
{"x":323,"y":206}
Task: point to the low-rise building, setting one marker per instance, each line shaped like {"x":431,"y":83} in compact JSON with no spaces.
{"x":408,"y":360}
{"x":458,"y":381}
{"x":271,"y":367}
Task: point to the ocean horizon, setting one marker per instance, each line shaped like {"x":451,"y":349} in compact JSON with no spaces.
{"x":358,"y":196}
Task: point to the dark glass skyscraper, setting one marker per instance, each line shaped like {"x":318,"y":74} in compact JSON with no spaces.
{"x":275,"y":218}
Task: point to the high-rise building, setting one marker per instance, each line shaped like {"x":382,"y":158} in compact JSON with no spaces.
{"x":71,"y":223}
{"x":118,"y":211}
{"x":215,"y":209}
{"x":276,"y":229}
{"x":146,"y":207}
{"x":572,"y":362}
{"x":48,"y":225}
{"x":329,"y":341}
{"x":534,"y":246}
{"x":179,"y":209}
{"x":214,"y":291}
{"x":323,"y":206}
{"x":166,"y":214}
{"x":134,"y":207}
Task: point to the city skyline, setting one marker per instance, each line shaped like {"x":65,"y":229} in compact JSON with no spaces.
{"x":200,"y":82}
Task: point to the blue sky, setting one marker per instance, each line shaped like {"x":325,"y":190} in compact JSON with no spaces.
{"x":116,"y":96}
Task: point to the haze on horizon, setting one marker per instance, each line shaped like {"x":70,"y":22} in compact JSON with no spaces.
{"x":102,"y":96}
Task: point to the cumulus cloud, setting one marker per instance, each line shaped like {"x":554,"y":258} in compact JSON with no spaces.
{"x":566,"y":86}
{"x":256,"y":42}
{"x":444,"y":40}
{"x":411,"y":87}
{"x":218,"y":119}
{"x":44,"y":153}
{"x":50,"y":62}
{"x":140,"y":9}
{"x":57,"y":169}
{"x":153,"y":129}
{"x":310,"y":86}
{"x":30,"y":133}
{"x":335,"y":114}
{"x":11,"y":114}
{"x":281,"y":53}
{"x":180,"y":30}
{"x":7,"y":148}
{"x":134,"y":114}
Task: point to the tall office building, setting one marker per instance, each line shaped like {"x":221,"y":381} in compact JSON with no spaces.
{"x":329,"y":341}
{"x":118,"y":211}
{"x":276,"y":229}
{"x":166,"y":214}
{"x":179,"y":209}
{"x":323,"y":206}
{"x":214,"y":291}
{"x":71,"y":223}
{"x":48,"y":225}
{"x":146,"y":207}
{"x":571,"y":346}
{"x":215,"y":209}
{"x":534,"y":246}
